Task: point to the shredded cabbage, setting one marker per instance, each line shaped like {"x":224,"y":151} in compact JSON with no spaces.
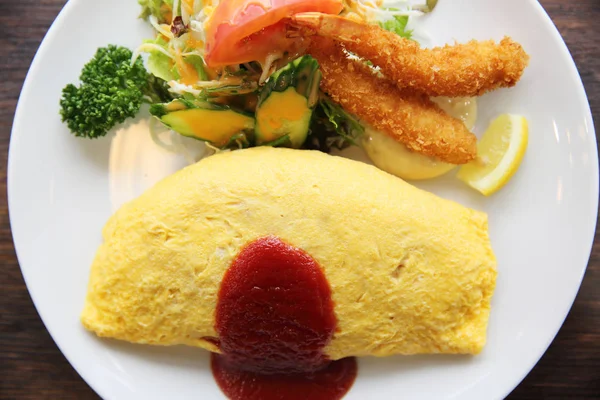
{"x":184,"y":14}
{"x":226,"y":86}
{"x":392,"y":15}
{"x":269,"y":66}
{"x":380,"y":11}
{"x":150,"y":46}
{"x":333,"y":128}
{"x":176,"y":8}
{"x":198,"y":21}
{"x":182,"y":89}
{"x":161,"y":28}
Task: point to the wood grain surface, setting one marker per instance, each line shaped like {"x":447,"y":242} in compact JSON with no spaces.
{"x":32,"y":367}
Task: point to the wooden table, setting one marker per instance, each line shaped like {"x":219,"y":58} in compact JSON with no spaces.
{"x":32,"y":367}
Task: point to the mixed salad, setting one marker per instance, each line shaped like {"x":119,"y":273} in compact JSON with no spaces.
{"x":226,"y":72}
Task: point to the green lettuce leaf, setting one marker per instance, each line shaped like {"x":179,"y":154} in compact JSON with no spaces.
{"x":159,"y":64}
{"x":398,"y":26}
{"x":332,"y":128}
{"x":198,"y":63}
{"x":155,"y":7}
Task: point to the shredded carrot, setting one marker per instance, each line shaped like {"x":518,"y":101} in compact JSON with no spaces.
{"x":192,"y":43}
{"x":167,"y":12}
{"x":189,"y":75}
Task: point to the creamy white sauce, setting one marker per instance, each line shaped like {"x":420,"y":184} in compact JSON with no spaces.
{"x":463,"y":108}
{"x":393,"y":157}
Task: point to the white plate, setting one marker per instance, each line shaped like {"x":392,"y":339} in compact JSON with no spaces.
{"x":62,"y":190}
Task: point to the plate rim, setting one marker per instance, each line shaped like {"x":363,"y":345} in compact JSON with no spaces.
{"x":98,"y":388}
{"x":582,"y":93}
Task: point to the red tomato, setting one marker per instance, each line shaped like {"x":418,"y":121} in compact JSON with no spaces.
{"x":247,"y":30}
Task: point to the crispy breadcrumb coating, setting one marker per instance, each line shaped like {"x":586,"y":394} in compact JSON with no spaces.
{"x":469,"y":69}
{"x":409,"y":117}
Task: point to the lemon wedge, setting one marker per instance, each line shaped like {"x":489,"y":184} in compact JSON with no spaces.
{"x":500,"y":152}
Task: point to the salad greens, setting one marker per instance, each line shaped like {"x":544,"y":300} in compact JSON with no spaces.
{"x":397,"y":25}
{"x":115,"y":83}
{"x":332,"y":128}
{"x":157,"y":8}
{"x":345,"y":124}
{"x":160,"y":64}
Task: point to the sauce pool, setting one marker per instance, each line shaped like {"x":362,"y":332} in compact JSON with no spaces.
{"x":274,"y":318}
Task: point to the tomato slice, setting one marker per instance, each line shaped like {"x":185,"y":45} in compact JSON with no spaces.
{"x":247,"y":30}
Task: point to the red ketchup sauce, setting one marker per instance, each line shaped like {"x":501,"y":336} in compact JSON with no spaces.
{"x":274,"y":318}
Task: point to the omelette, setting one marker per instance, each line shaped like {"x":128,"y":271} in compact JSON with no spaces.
{"x":409,"y":272}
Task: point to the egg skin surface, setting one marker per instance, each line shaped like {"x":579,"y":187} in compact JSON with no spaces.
{"x":409,"y":272}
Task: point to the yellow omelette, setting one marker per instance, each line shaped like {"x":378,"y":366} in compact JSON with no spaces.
{"x":409,"y":272}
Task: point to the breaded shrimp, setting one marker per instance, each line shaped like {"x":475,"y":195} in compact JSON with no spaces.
{"x":469,"y":69}
{"x":408,"y":117}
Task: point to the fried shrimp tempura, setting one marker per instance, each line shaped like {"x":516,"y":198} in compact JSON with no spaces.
{"x":469,"y":69}
{"x":408,"y":117}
